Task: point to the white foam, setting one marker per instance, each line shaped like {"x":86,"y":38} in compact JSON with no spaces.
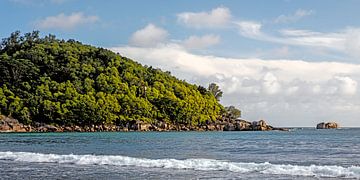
{"x":194,"y":164}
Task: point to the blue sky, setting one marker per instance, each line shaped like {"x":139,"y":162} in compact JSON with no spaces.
{"x":289,"y":62}
{"x":117,"y":20}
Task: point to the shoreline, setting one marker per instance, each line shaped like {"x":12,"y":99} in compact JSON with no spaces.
{"x":10,"y":125}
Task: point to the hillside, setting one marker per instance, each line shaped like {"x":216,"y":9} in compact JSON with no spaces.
{"x":66,"y":83}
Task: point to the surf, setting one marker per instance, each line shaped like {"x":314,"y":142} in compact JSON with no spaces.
{"x":193,"y":164}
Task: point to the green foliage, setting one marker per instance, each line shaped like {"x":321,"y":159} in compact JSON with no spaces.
{"x":215,"y":91}
{"x":67,"y":83}
{"x":232,"y":112}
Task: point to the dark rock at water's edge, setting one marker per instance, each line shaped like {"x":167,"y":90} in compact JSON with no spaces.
{"x":12,"y":125}
{"x":243,"y":125}
{"x":328,"y":125}
{"x":8,"y":124}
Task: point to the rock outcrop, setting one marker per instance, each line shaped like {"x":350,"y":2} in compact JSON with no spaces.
{"x":328,"y":125}
{"x":12,"y":125}
{"x":243,"y":125}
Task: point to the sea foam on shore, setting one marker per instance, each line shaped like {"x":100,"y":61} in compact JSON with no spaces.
{"x":194,"y":164}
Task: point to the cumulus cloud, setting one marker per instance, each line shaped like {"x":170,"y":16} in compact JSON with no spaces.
{"x":218,"y":17}
{"x":66,"y":22}
{"x":271,"y":84}
{"x":250,"y":28}
{"x":284,"y":92}
{"x":200,"y":42}
{"x":148,"y":36}
{"x":299,"y":14}
{"x":347,"y":86}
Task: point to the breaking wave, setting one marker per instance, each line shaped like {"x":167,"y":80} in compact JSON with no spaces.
{"x":194,"y":164}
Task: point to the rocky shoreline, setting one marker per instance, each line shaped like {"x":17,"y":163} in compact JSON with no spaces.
{"x":12,"y":125}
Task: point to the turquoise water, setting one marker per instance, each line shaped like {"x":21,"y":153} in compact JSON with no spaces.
{"x":298,"y":154}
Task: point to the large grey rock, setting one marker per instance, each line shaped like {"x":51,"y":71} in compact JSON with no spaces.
{"x":261,"y":126}
{"x":229,"y":127}
{"x":328,"y":125}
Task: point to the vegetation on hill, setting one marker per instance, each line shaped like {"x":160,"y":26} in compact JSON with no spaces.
{"x":60,"y":82}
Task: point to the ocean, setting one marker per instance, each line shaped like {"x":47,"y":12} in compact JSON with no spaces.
{"x":299,"y":154}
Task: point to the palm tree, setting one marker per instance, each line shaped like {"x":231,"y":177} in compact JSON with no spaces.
{"x":215,"y":90}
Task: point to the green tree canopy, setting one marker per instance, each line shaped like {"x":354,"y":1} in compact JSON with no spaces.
{"x":67,"y":83}
{"x":232,"y":112}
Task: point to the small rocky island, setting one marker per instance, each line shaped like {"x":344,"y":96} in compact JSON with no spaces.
{"x":328,"y":125}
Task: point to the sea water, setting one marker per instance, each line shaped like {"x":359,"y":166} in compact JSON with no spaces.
{"x":299,"y":154}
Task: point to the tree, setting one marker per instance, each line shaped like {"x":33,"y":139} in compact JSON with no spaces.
{"x":202,"y":90}
{"x":3,"y":102}
{"x":232,"y":112}
{"x":215,"y":91}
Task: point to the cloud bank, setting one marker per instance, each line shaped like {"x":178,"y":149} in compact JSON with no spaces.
{"x":285,"y":92}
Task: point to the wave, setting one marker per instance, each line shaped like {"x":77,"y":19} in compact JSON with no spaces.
{"x":193,"y":164}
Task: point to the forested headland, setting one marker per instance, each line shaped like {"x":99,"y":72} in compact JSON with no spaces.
{"x":66,"y":83}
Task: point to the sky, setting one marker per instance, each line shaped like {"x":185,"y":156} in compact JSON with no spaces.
{"x":291,"y":63}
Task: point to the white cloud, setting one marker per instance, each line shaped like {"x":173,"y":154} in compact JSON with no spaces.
{"x":347,"y":86}
{"x":152,"y":35}
{"x":250,"y":28}
{"x":148,"y":36}
{"x":218,"y":17}
{"x":346,"y":41}
{"x":200,"y":42}
{"x":292,"y":90}
{"x":300,"y":13}
{"x":66,"y":22}
{"x":333,"y":41}
{"x":227,"y":67}
{"x":298,"y":32}
{"x":284,"y":92}
{"x":352,"y":41}
{"x":271,"y":84}
{"x":316,"y":89}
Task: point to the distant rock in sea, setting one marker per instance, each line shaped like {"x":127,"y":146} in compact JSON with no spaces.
{"x":328,"y":125}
